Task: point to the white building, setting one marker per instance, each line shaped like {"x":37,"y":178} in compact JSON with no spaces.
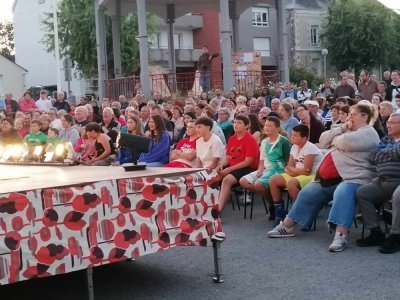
{"x":31,"y":53}
{"x":12,"y":78}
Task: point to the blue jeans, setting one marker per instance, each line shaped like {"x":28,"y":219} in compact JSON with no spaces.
{"x":314,"y":197}
{"x":205,"y":80}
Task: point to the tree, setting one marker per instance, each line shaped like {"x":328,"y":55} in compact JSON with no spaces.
{"x":77,"y":37}
{"x":360,"y":34}
{"x":7,"y":40}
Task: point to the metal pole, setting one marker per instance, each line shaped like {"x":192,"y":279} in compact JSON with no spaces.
{"x":101,"y":49}
{"x":116,"y":21}
{"x":143,"y":48}
{"x":324,"y":66}
{"x":171,"y":45}
{"x":217,"y":273}
{"x":226,"y":44}
{"x":57,"y":48}
{"x":284,"y":38}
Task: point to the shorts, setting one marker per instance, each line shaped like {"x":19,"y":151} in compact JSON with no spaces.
{"x":302,"y":179}
{"x":239,"y":173}
{"x":252,"y":177}
{"x":264,"y":179}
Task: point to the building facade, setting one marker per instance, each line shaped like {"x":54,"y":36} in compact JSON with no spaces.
{"x":31,"y":53}
{"x":12,"y":78}
{"x":305,"y":21}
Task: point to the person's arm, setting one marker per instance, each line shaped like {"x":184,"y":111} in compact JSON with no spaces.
{"x":157,"y":151}
{"x":308,"y":165}
{"x":74,"y":137}
{"x":224,"y":162}
{"x":363,"y":139}
{"x":186,"y":155}
{"x":246,"y":163}
{"x":387,"y":154}
{"x":107,"y":149}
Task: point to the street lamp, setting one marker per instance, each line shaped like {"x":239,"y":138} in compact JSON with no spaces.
{"x":324,"y":53}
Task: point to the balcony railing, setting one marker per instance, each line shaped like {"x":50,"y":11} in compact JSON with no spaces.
{"x":164,"y":83}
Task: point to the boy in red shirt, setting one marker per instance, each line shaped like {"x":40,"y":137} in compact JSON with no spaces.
{"x":241,"y":158}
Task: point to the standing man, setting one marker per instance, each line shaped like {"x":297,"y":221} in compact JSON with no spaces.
{"x":393,"y":88}
{"x":367,"y":86}
{"x":344,"y":89}
{"x":204,"y":67}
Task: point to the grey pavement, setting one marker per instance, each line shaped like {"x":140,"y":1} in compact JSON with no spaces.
{"x":253,"y":267}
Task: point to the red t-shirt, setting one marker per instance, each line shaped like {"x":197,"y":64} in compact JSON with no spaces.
{"x":238,"y":150}
{"x":327,"y":169}
{"x":186,"y":144}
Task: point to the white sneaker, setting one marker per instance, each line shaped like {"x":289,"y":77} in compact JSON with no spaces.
{"x":339,"y":243}
{"x":281,"y":231}
{"x":245,"y":201}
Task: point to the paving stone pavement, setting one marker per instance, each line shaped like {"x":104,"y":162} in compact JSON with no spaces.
{"x":253,"y":267}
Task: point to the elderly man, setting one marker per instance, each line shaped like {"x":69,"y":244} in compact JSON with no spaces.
{"x":275,"y":104}
{"x":287,"y":91}
{"x":263,"y":115}
{"x":81,"y":114}
{"x":157,"y":98}
{"x":11,"y":105}
{"x":243,"y":110}
{"x":61,"y":103}
{"x":253,"y":105}
{"x":382,"y":189}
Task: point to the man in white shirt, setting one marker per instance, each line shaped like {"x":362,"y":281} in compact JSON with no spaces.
{"x":44,"y":103}
{"x":209,"y":148}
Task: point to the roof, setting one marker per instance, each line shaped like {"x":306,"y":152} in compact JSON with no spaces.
{"x":5,"y":57}
{"x":307,"y":4}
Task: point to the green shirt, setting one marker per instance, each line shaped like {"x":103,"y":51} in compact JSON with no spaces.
{"x":33,"y":140}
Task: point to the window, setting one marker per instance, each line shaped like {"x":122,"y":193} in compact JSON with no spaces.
{"x":178,"y":40}
{"x":314,"y":36}
{"x":155,"y":41}
{"x":262,"y":45}
{"x":260,"y":16}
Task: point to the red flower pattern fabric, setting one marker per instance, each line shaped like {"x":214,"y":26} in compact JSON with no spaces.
{"x":59,"y":230}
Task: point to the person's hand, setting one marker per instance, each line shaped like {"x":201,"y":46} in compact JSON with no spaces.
{"x":219,"y":168}
{"x":347,"y":125}
{"x":104,"y":129}
{"x":116,"y":163}
{"x":259,"y":173}
{"x":224,"y":172}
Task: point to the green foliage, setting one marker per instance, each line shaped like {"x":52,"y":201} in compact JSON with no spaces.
{"x":297,"y":74}
{"x":7,"y":40}
{"x":360,"y":34}
{"x":77,"y":37}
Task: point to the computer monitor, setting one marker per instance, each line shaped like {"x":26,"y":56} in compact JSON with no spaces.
{"x":136,"y":143}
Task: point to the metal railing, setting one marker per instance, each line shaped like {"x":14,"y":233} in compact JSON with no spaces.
{"x":181,"y":83}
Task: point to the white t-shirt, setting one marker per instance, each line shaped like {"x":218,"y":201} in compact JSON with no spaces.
{"x":44,"y":105}
{"x":206,"y":151}
{"x":308,"y":149}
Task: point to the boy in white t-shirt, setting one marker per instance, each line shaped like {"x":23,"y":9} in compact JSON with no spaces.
{"x":300,"y":170}
{"x":209,"y":148}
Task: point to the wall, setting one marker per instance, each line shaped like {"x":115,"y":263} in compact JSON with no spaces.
{"x":247,"y":32}
{"x":12,"y":79}
{"x":30,"y":53}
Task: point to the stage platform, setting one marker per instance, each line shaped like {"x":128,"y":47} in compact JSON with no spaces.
{"x":24,"y":178}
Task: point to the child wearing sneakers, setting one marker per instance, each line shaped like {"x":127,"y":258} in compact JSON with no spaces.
{"x":300,"y":170}
{"x":274,"y":154}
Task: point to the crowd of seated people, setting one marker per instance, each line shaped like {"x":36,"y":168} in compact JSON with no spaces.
{"x":339,"y":144}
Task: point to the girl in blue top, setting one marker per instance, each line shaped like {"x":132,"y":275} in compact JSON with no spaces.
{"x":158,"y":154}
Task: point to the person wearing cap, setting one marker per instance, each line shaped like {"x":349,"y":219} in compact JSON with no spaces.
{"x":313,"y":107}
{"x":304,"y":93}
{"x":43,"y":103}
{"x":358,"y":96}
{"x":27,"y":103}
